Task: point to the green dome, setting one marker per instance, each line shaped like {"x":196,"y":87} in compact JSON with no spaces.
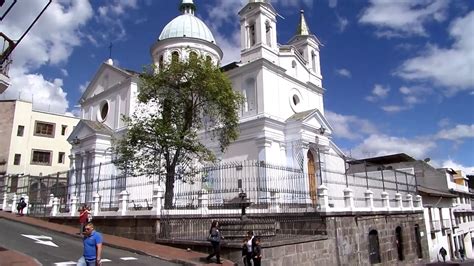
{"x":187,"y":25}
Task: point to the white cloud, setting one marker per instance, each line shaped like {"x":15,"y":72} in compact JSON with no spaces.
{"x":450,"y":68}
{"x":342,"y":23}
{"x":394,"y":108}
{"x":349,"y":126}
{"x":402,"y":18}
{"x":50,"y":42}
{"x":343,"y":72}
{"x":83,"y":87}
{"x":378,"y":92}
{"x":457,"y":133}
{"x":117,"y":7}
{"x":456,"y":166}
{"x":64,"y":72}
{"x":380,"y":145}
{"x":444,"y":122}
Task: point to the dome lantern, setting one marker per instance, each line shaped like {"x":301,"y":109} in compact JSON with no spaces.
{"x":187,"y":7}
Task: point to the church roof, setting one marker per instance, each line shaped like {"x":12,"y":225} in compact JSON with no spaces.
{"x":187,"y":25}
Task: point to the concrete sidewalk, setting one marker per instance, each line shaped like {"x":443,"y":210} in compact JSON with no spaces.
{"x":171,"y":254}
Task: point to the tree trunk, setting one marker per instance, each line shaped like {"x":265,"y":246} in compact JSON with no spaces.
{"x":169,"y":192}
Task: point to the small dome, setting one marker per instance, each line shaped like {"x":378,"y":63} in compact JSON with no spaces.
{"x":187,"y":25}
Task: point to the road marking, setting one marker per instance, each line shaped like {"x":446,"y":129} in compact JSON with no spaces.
{"x":42,"y":242}
{"x":128,"y":258}
{"x":105,"y":260}
{"x":65,"y":263}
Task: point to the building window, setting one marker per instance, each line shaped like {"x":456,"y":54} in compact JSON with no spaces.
{"x":374,"y":247}
{"x":398,"y":234}
{"x":419,"y":250}
{"x":103,"y":112}
{"x":174,"y":57}
{"x":61,"y":157}
{"x":44,"y":129}
{"x":41,"y":157}
{"x":313,"y":60}
{"x":17,"y":159}
{"x":193,"y":56}
{"x":20,"y":131}
{"x":63,"y":130}
{"x":268,"y":31}
{"x":160,"y":63}
{"x":252,"y":34}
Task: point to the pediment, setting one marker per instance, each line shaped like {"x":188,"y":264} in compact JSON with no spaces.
{"x":86,"y":129}
{"x":311,"y":119}
{"x":106,"y":77}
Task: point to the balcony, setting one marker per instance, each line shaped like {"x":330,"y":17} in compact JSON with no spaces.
{"x":467,"y":226}
{"x":435,"y":226}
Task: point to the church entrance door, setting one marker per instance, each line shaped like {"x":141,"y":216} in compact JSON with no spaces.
{"x":312,"y":178}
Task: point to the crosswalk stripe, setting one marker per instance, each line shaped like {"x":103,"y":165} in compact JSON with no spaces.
{"x":128,"y":258}
{"x":105,"y":260}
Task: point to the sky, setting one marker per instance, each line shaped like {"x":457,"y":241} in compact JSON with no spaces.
{"x":398,"y":74}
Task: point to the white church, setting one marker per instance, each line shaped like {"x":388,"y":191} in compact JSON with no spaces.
{"x":282,"y":120}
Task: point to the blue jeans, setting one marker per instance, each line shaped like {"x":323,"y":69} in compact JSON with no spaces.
{"x":83,"y":262}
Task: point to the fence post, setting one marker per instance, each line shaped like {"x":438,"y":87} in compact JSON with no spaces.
{"x":96,"y":199}
{"x":123,"y":202}
{"x":158,"y":200}
{"x":398,"y":201}
{"x":27,"y":201}
{"x":410,"y":201}
{"x":15,"y":198}
{"x":204,"y":201}
{"x":73,"y":207}
{"x":55,"y":209}
{"x":369,"y":199}
{"x":4,"y":204}
{"x":323,"y":198}
{"x":50,"y":202}
{"x":349,"y":198}
{"x":275,"y":206}
{"x":385,"y":200}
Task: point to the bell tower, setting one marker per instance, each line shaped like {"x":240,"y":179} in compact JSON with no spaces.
{"x":258,"y":31}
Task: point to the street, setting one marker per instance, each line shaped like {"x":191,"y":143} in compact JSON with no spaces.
{"x":50,"y":248}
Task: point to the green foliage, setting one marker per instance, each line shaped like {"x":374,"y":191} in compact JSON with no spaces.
{"x":176,"y":103}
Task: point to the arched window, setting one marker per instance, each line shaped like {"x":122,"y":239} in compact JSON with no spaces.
{"x":294,"y":66}
{"x":313,"y":60}
{"x":399,"y":243}
{"x":313,"y":184}
{"x":193,"y":55}
{"x":374,"y":247}
{"x":208,"y":58}
{"x":268,"y":33}
{"x":161,"y":62}
{"x":252,"y":34}
{"x":419,"y":250}
{"x":174,"y":56}
{"x":249,"y":94}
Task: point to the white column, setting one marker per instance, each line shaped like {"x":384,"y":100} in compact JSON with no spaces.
{"x":398,"y":201}
{"x":349,"y":198}
{"x":158,"y":200}
{"x":410,"y":201}
{"x":369,"y":199}
{"x":55,"y":208}
{"x":123,"y":202}
{"x":323,"y":198}
{"x":73,"y":205}
{"x":27,"y":201}
{"x":15,"y":198}
{"x":96,"y":198}
{"x":4,"y":204}
{"x":50,"y":202}
{"x":385,"y":200}
{"x":418,"y":202}
{"x":204,"y":201}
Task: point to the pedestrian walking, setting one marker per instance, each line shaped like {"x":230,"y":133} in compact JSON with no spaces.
{"x":257,"y":253}
{"x":215,"y":238}
{"x":443,"y":253}
{"x":92,"y":242}
{"x":245,"y":251}
{"x":249,"y":245}
{"x":83,"y":218}
{"x":20,"y":206}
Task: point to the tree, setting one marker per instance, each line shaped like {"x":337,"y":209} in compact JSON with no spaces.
{"x":175,"y":104}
